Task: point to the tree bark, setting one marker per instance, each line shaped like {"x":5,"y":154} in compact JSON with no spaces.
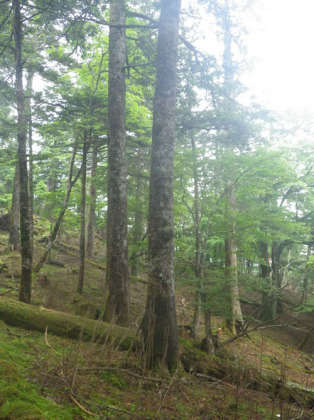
{"x":231,"y":263}
{"x":201,"y":296}
{"x":159,"y":325}
{"x":231,"y":267}
{"x":83,"y":213}
{"x":197,"y":263}
{"x":265,"y":270}
{"x":117,"y":306}
{"x":14,"y":235}
{"x":92,"y":207}
{"x":29,"y":92}
{"x":276,"y":272}
{"x":306,"y":279}
{"x":25,"y":219}
{"x":139,"y":214}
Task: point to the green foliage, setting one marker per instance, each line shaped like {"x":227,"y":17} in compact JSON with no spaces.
{"x":307,"y":307}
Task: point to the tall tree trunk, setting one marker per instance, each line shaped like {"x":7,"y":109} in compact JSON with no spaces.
{"x":117,"y":306}
{"x":197,"y":263}
{"x":276,"y":251}
{"x":47,"y":208}
{"x":92,"y":207}
{"x":29,"y":92}
{"x":83,"y":208}
{"x":55,"y":230}
{"x":138,"y":217}
{"x":25,"y":222}
{"x":159,"y":325}
{"x":231,"y":263}
{"x":265,"y":270}
{"x":201,"y":298}
{"x":231,"y":266}
{"x":306,"y":279}
{"x":14,"y":236}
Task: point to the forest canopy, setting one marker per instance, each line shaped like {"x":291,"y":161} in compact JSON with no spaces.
{"x":117,"y":121}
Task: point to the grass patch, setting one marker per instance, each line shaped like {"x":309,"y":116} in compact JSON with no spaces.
{"x":21,"y":396}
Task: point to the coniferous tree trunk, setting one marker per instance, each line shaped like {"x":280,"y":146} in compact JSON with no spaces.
{"x":159,"y":325}
{"x":92,"y":207}
{"x":25,"y":220}
{"x":306,"y":279}
{"x":138,"y":229}
{"x":265,"y":270}
{"x":83,"y":212}
{"x":47,"y":208}
{"x":29,"y":92}
{"x":276,"y":271}
{"x":117,"y":305}
{"x":14,"y":235}
{"x":197,"y":263}
{"x":55,"y":230}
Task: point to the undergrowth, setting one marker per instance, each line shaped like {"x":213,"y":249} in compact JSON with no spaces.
{"x":46,"y":377}
{"x":21,"y":395}
{"x":53,"y":378}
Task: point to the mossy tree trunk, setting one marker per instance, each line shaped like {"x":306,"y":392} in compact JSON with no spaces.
{"x":159,"y":325}
{"x":25,"y":216}
{"x":117,"y":305}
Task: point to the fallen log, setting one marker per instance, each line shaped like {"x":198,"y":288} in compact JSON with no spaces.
{"x":194,"y":360}
{"x":63,"y":324}
{"x":95,"y":264}
{"x":223,"y":369}
{"x":58,"y":263}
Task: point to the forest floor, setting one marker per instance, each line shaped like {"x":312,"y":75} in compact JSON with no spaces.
{"x":49,"y":377}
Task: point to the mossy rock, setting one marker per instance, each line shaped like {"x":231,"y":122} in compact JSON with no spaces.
{"x":17,"y":409}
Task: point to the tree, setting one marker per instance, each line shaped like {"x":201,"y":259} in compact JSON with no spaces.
{"x":70,"y":184}
{"x":92,"y":205}
{"x":25,"y":216}
{"x":14,"y":237}
{"x":83,"y":214}
{"x":117,"y":276}
{"x":159,"y":325}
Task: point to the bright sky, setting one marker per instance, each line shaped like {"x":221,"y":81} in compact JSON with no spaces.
{"x":280,"y":41}
{"x":283,"y":75}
